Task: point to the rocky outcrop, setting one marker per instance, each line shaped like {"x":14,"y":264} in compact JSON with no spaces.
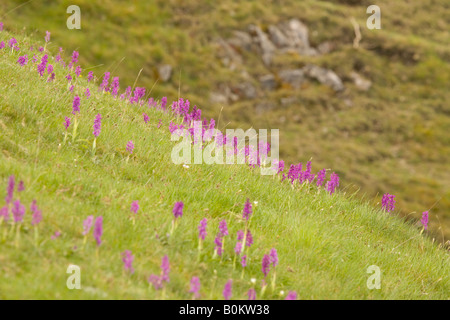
{"x":324,"y":76}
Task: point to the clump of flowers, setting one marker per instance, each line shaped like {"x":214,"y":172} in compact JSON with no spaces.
{"x":333,"y":183}
{"x":146,"y":118}
{"x":388,"y":202}
{"x":18,"y":211}
{"x":90,"y":76}
{"x":321,"y":175}
{"x":251,"y":294}
{"x":177,"y":213}
{"x":98,"y":230}
{"x":23,"y":60}
{"x":105,"y":82}
{"x":195,"y":287}
{"x":227,"y":290}
{"x":87,"y":225}
{"x":292,"y":295}
{"x":97,"y":128}
{"x":158,"y":281}
{"x":273,"y":255}
{"x":424,"y":220}
{"x":115,"y":86}
{"x":201,"y":234}
{"x":127,"y":259}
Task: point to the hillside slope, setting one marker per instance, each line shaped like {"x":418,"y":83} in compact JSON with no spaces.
{"x":392,"y":137}
{"x":325,"y":243}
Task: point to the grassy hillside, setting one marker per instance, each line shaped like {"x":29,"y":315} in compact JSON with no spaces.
{"x":392,"y":138}
{"x":325,"y":243}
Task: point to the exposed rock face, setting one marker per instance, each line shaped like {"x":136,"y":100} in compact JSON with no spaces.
{"x":268,"y":82}
{"x":293,"y":77}
{"x":165,"y":72}
{"x":361,"y":83}
{"x":324,"y":76}
{"x":265,"y":47}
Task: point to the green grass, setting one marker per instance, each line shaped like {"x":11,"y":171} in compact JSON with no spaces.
{"x":325,"y":243}
{"x":392,"y":138}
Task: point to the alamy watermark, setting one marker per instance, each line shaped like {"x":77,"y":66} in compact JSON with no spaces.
{"x":210,"y":146}
{"x":374,"y":281}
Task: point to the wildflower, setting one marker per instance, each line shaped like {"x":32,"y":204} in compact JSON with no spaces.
{"x":51,"y":78}
{"x":321,"y":177}
{"x":71,"y":88}
{"x":69,"y":78}
{"x":333,"y":183}
{"x":159,"y":124}
{"x":18,"y":211}
{"x":10,"y":189}
{"x":74,"y":60}
{"x":247,"y":210}
{"x":238,"y":248}
{"x":76,"y":105}
{"x":37,"y":214}
{"x":127,"y":259}
{"x":273,"y":257}
{"x":105,"y":82}
{"x":178,"y":209}
{"x":4,"y":212}
{"x":195,"y":287}
{"x":165,"y":268}
{"x":156,"y":281}
{"x":23,"y":60}
{"x":280,"y":166}
{"x":49,"y":69}
{"x":41,"y":67}
{"x":97,"y":125}
{"x":47,"y":36}
{"x":424,"y":219}
{"x":87,"y":93}
{"x":265,"y":265}
{"x":56,"y":235}
{"x":146,"y":118}
{"x":223,"y":229}
{"x":218,"y":243}
{"x":292,"y":295}
{"x":78,"y":71}
{"x":251,"y":294}
{"x":240,"y":235}
{"x":202,"y":229}
{"x":12,"y":42}
{"x":87,"y":225}
{"x":244,"y":261}
{"x":134,"y":207}
{"x":66,"y":122}
{"x":115,"y":86}
{"x":98,"y":230}
{"x":163,"y":103}
{"x":2,"y":45}
{"x":126,"y":94}
{"x":20,"y":186}
{"x":41,"y":49}
{"x":130,"y":146}
{"x":249,"y":239}
{"x":90,"y":76}
{"x":1,"y":26}
{"x":138,"y":94}
{"x":388,"y":202}
{"x":227,"y":290}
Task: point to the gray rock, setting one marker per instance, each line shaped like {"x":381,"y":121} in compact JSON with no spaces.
{"x":268,"y":82}
{"x":165,"y":72}
{"x":241,"y":40}
{"x":229,"y":56}
{"x":266,"y":48}
{"x":278,"y":38}
{"x":324,"y":76}
{"x":293,"y":77}
{"x":361,"y":83}
{"x":245,"y":90}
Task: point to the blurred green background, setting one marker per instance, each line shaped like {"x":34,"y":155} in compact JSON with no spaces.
{"x":390,"y":138}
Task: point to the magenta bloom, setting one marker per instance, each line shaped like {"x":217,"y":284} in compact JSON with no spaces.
{"x":49,"y":69}
{"x":18,"y":211}
{"x":240,"y":235}
{"x":138,"y":94}
{"x":90,"y":76}
{"x":127,"y":259}
{"x":105,"y":82}
{"x":76,"y":105}
{"x":2,"y":45}
{"x":178,"y":209}
{"x":4,"y":212}
{"x":265,"y":265}
{"x":56,"y":235}
{"x":249,"y":240}
{"x":69,"y":77}
{"x":20,"y":186}
{"x":78,"y":71}
{"x":97,"y":125}
{"x":238,"y":248}
{"x":195,"y":287}
{"x":87,"y":93}
{"x":155,"y":281}
{"x":227,"y":290}
{"x":146,"y":118}
{"x":130,"y":146}
{"x":223,"y":229}
{"x":292,"y":295}
{"x":321,"y":177}
{"x":202,"y":229}
{"x":163,"y":103}
{"x":273,"y":257}
{"x":71,"y":88}
{"x":165,"y":268}
{"x":115,"y":86}
{"x":10,"y":189}
{"x":388,"y":202}
{"x":47,"y":36}
{"x":66,"y":122}
{"x":87,"y":225}
{"x":98,"y":230}
{"x":218,"y":243}
{"x":134,"y":207}
{"x":251,"y":294}
{"x":43,"y":65}
{"x":37,"y":214}
{"x":23,"y":60}
{"x":333,"y":183}
{"x":1,"y":26}
{"x":244,"y":261}
{"x":247,"y":210}
{"x":75,"y":56}
{"x":12,"y":42}
{"x":424,"y":219}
